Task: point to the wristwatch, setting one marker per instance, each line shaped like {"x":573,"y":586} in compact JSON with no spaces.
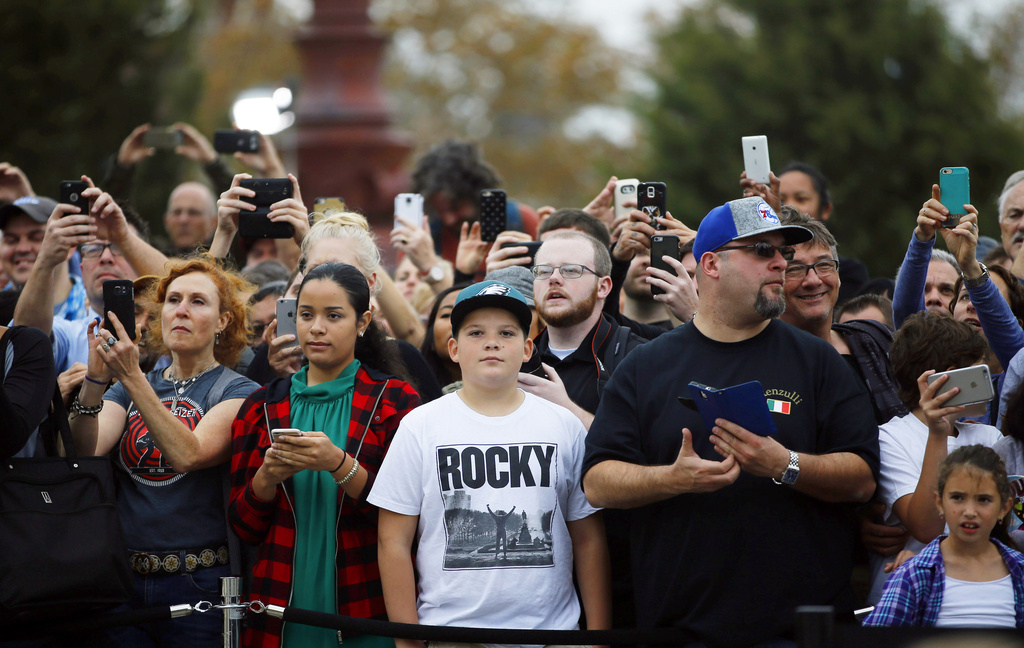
{"x":792,"y":470}
{"x":977,"y":281}
{"x":435,"y":274}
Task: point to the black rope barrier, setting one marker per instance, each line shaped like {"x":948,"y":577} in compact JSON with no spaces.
{"x":654,"y":637}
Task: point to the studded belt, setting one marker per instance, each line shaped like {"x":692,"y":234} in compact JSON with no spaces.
{"x":173,"y":562}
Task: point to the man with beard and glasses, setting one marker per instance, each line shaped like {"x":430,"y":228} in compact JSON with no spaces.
{"x":724,"y":520}
{"x":578,"y":350}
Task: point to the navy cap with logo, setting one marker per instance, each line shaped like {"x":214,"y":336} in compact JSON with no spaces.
{"x":37,"y":208}
{"x":491,"y":294}
{"x":741,"y":218}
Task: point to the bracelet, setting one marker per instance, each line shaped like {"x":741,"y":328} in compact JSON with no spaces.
{"x":91,"y":410}
{"x":97,"y":382}
{"x":344,"y":456}
{"x":352,"y":473}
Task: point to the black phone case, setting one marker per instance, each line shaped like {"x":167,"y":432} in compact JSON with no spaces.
{"x":650,"y":199}
{"x":234,"y":141}
{"x":119,"y":297}
{"x":492,"y":214}
{"x":71,"y":194}
{"x":531,"y":249}
{"x":255,"y":224}
{"x":664,"y":245}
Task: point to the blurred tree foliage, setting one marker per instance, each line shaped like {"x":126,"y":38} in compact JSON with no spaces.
{"x":78,"y":77}
{"x":492,"y":71}
{"x":877,"y":93}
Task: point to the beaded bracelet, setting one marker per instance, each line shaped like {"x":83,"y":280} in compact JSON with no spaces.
{"x":352,"y":473}
{"x":91,"y":410}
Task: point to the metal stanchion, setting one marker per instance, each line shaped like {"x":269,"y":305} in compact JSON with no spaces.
{"x":232,"y":608}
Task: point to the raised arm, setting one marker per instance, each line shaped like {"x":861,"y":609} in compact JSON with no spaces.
{"x":66,"y":229}
{"x":112,"y":225}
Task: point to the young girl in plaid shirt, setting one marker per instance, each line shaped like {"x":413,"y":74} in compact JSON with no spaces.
{"x":968,"y":578}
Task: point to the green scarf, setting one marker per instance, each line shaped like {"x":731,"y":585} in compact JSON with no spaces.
{"x":326,"y":407}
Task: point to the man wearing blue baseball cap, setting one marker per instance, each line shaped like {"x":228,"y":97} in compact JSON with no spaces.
{"x":728,"y":524}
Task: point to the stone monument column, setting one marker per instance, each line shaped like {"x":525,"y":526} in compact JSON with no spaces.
{"x":344,"y":140}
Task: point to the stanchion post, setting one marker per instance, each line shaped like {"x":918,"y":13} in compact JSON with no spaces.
{"x":231,"y":598}
{"x":814,"y":626}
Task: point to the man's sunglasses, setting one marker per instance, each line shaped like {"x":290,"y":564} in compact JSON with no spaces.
{"x":764,"y":250}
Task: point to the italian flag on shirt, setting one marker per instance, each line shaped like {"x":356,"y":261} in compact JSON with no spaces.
{"x":779,"y":407}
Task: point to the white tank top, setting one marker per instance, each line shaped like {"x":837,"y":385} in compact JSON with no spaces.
{"x":969,"y":604}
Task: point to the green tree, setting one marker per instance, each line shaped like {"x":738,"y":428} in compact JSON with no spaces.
{"x":78,"y":77}
{"x":495,"y":72}
{"x":877,"y":93}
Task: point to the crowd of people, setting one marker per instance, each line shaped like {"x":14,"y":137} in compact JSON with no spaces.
{"x":510,"y":434}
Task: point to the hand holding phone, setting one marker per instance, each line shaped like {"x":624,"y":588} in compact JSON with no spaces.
{"x":409,"y":210}
{"x":286,"y":307}
{"x":277,"y":433}
{"x":625,"y":192}
{"x":651,"y":200}
{"x":255,"y":224}
{"x":236,"y":141}
{"x":71,"y":194}
{"x":119,"y":298}
{"x":955,"y":187}
{"x":163,"y":138}
{"x":755,"y":158}
{"x":492,"y":214}
{"x":975,"y":385}
{"x":664,"y":245}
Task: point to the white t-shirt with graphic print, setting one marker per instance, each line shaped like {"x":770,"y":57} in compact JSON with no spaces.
{"x":493,"y":495}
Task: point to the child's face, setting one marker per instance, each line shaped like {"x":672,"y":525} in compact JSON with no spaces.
{"x":490,"y":346}
{"x":971,"y":505}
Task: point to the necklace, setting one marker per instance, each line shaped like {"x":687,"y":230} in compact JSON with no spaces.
{"x":180,"y":386}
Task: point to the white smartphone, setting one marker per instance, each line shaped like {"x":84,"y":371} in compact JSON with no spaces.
{"x":975,"y":385}
{"x":279,"y":432}
{"x":409,"y":210}
{"x":755,"y":158}
{"x":286,"y":319}
{"x":625,"y":190}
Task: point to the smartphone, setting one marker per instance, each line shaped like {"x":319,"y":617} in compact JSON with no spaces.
{"x":119,"y":298}
{"x":323,"y":205}
{"x":955,"y":185}
{"x":975,"y":385}
{"x":286,"y":307}
{"x":409,"y":210}
{"x":745,"y":405}
{"x":755,"y":158}
{"x":236,"y":141}
{"x":163,"y":138}
{"x":492,"y":214}
{"x":625,"y":191}
{"x":255,"y":224}
{"x":664,"y":245}
{"x":651,"y":201}
{"x":276,"y":433}
{"x":71,"y":194}
{"x":531,"y":249}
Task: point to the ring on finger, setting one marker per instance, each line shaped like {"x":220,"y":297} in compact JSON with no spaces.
{"x":106,"y":347}
{"x":111,"y":340}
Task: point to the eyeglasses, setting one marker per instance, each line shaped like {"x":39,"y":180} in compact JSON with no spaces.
{"x":824,"y":268}
{"x":567,"y":270}
{"x":764,"y":250}
{"x":94,"y":250}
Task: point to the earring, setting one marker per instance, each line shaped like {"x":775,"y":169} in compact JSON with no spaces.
{"x":361,"y":333}
{"x":216,"y":340}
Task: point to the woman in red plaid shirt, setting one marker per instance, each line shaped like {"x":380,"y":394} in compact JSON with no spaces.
{"x":342,"y":412}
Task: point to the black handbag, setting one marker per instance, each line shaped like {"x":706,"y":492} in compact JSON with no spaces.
{"x":62,"y":550}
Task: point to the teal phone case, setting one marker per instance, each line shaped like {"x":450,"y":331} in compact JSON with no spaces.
{"x":955,"y":185}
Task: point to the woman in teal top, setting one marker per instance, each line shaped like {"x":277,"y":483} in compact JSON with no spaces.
{"x":346,"y":413}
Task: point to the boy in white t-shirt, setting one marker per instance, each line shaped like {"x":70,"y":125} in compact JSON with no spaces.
{"x":912,"y":446}
{"x":486,"y":483}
